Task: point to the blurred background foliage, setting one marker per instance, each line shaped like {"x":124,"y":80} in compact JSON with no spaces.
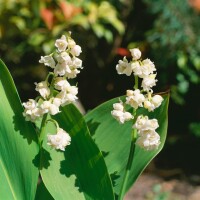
{"x":167,"y":32}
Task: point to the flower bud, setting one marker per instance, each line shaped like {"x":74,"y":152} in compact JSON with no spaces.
{"x":76,"y":50}
{"x":136,"y":53}
{"x":157,"y":100}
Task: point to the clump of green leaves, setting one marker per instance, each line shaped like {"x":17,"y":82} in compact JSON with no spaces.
{"x":90,"y":168}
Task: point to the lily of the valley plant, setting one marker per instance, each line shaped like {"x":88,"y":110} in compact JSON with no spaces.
{"x":143,"y":129}
{"x":49,"y":150}
{"x":56,"y":91}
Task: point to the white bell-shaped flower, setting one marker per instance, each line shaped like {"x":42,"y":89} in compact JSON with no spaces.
{"x":148,"y":82}
{"x":61,"y":83}
{"x":43,"y":89}
{"x":62,"y":68}
{"x":118,"y":106}
{"x":157,"y":100}
{"x":153,"y":102}
{"x":61,"y":43}
{"x":124,"y":67}
{"x":31,"y":112}
{"x":76,"y":50}
{"x":63,"y":57}
{"x":134,"y":98}
{"x":59,"y":140}
{"x":119,"y":114}
{"x":144,"y":68}
{"x":143,"y":123}
{"x":49,"y":107}
{"x":68,"y":95}
{"x":148,"y":67}
{"x":149,"y":105}
{"x":76,"y":63}
{"x":48,"y":61}
{"x":150,"y":141}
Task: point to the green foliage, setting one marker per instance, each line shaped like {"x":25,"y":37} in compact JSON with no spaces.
{"x":195,"y":128}
{"x":89,"y":168}
{"x":98,"y":17}
{"x":18,"y":145}
{"x":175,"y":39}
{"x":29,"y":25}
{"x":80,"y":172}
{"x":28,"y":30}
{"x":114,"y":139}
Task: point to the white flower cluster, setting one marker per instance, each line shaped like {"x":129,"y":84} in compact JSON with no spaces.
{"x":143,"y":69}
{"x":56,"y":91}
{"x":148,"y":138}
{"x":136,"y":98}
{"x":120,"y":114}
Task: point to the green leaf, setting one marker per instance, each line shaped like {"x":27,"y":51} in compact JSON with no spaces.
{"x":114,"y":140}
{"x":79,"y":172}
{"x":81,"y":20}
{"x":18,"y":145}
{"x":98,"y":29}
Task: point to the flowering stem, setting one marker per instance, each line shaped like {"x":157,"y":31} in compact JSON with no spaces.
{"x":42,"y":130}
{"x":49,"y":75}
{"x":44,"y":119}
{"x":129,"y":164}
{"x":54,"y":122}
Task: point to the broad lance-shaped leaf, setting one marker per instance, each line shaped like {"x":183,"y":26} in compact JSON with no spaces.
{"x":18,"y":147}
{"x":79,"y":172}
{"x":114,"y":140}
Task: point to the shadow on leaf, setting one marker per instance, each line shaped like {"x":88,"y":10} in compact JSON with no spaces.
{"x":93,"y":126}
{"x":44,"y":162}
{"x":23,"y":127}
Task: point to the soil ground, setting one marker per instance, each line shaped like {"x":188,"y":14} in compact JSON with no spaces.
{"x":151,"y":186}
